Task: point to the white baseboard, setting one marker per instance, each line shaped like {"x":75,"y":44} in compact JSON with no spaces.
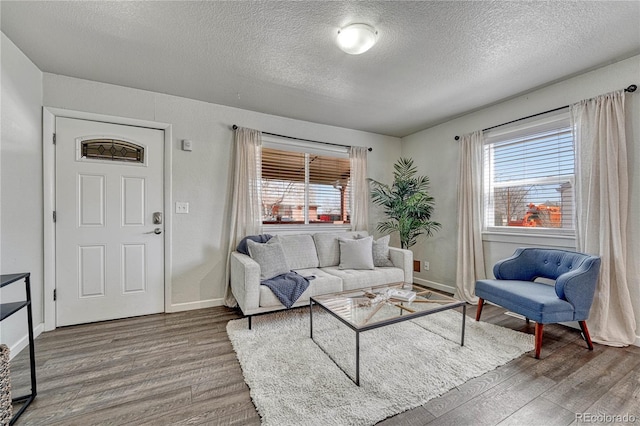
{"x":190,"y":306}
{"x":16,"y":348}
{"x":433,"y":284}
{"x":637,"y":342}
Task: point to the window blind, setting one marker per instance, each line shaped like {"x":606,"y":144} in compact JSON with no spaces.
{"x":303,"y":187}
{"x":529,"y":175}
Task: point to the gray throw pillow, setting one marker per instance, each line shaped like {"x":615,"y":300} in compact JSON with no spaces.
{"x":242,"y":247}
{"x":381,"y":252}
{"x":356,"y":254}
{"x":270,"y":257}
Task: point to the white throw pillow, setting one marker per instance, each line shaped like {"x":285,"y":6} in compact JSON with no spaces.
{"x":356,"y":254}
{"x":381,"y":252}
{"x":270,"y":257}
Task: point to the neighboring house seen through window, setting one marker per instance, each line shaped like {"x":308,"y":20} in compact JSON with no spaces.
{"x":529,"y":176}
{"x":305,"y":185}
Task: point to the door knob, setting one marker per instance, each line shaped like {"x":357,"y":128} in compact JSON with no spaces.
{"x":156,"y":231}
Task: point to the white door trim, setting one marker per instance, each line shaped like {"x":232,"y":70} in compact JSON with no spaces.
{"x":49,"y":194}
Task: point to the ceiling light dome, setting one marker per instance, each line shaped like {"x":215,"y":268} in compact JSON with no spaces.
{"x":355,"y":39}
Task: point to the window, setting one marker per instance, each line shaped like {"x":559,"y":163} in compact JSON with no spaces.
{"x":302,"y":184}
{"x":529,"y":176}
{"x":113,"y":150}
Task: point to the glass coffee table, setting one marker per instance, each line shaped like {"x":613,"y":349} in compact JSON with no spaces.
{"x":373,"y":307}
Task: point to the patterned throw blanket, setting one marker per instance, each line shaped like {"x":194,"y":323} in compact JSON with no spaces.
{"x":288,"y":287}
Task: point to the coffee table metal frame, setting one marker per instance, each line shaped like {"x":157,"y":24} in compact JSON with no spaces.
{"x":366,"y":327}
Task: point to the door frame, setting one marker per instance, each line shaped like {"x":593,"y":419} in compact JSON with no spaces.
{"x":49,"y":115}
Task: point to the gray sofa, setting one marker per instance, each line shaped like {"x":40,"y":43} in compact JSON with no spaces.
{"x":313,"y":254}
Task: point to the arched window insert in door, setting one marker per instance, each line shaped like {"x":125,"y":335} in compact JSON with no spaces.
{"x":112,"y":149}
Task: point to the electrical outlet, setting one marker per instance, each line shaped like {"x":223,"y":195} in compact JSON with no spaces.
{"x":426,"y":265}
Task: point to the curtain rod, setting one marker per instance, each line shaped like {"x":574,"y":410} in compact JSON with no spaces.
{"x":305,"y":140}
{"x":629,"y":89}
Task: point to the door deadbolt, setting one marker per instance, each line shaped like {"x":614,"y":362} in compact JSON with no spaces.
{"x":157,"y":218}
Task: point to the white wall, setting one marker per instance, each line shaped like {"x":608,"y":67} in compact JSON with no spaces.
{"x":201,"y":177}
{"x":20,"y":187}
{"x":436,"y":153}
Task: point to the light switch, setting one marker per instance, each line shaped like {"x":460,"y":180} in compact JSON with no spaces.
{"x":182,"y":207}
{"x":186,"y":145}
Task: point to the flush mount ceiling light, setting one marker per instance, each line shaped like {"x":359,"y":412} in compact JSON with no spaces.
{"x":355,"y":39}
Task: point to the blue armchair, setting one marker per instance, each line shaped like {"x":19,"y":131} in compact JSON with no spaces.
{"x":514,"y":288}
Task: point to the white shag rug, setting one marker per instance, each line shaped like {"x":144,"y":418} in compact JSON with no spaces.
{"x":402,"y":366}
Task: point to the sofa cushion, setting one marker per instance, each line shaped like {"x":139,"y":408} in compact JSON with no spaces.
{"x":299,"y":250}
{"x":354,"y":279}
{"x":381,"y":252}
{"x":327,"y":246}
{"x":356,"y":253}
{"x":536,"y":301}
{"x":322,"y":284}
{"x":270,"y":257}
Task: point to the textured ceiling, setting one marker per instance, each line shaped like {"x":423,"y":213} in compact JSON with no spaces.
{"x":433,"y":61}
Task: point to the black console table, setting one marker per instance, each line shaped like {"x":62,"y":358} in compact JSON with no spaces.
{"x":8,"y":309}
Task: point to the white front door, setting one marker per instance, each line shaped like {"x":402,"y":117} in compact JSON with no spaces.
{"x":109,"y":221}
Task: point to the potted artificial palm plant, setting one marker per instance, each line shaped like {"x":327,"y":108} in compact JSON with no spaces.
{"x":406,"y":203}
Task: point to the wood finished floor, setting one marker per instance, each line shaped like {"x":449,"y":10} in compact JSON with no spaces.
{"x":175,"y":369}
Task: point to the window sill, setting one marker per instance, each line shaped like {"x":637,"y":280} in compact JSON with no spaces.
{"x":541,"y":237}
{"x":304,"y":229}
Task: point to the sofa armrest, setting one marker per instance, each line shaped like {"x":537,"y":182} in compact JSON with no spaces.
{"x":402,"y":259}
{"x":245,"y":281}
{"x":578,"y":286}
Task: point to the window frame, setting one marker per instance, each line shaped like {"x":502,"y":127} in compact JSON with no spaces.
{"x":546,"y":122}
{"x":306,"y":147}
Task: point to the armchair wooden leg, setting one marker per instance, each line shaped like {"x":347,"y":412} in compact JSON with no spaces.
{"x":479,"y":310}
{"x":538,"y":334}
{"x":585,"y":332}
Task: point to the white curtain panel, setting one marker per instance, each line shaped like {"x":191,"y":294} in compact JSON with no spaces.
{"x":359,"y":189}
{"x":602,"y":203}
{"x":246,"y":217}
{"x":470,"y":259}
